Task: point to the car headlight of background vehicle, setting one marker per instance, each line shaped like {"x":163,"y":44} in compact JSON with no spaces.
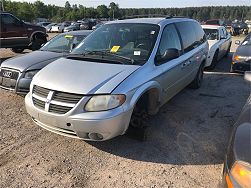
{"x":238,"y":58}
{"x":241,"y":172}
{"x":104,"y":102}
{"x":30,"y":74}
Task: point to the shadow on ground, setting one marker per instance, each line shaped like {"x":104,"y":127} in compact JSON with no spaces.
{"x":193,"y":128}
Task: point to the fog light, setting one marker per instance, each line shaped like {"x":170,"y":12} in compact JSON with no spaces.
{"x":95,"y":136}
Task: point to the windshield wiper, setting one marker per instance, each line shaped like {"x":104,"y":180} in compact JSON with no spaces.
{"x":108,"y":53}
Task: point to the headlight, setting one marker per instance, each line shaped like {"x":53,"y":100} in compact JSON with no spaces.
{"x":241,"y":173}
{"x":104,"y":102}
{"x":238,"y":58}
{"x":30,"y":74}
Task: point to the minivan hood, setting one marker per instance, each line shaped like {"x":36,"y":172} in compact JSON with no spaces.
{"x":244,"y":50}
{"x":82,"y":77}
{"x":23,"y":62}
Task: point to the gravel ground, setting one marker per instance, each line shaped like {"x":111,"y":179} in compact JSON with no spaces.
{"x":186,"y":147}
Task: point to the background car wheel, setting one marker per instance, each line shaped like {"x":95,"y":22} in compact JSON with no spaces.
{"x":198,"y":79}
{"x":17,"y":50}
{"x":228,"y":50}
{"x":231,"y":69}
{"x":214,"y":61}
{"x":37,"y":43}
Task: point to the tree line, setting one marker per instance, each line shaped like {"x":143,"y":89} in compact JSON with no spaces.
{"x":30,"y":11}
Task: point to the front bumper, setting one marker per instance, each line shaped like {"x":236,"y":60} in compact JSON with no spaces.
{"x":16,"y":83}
{"x":241,"y":66}
{"x":85,"y":125}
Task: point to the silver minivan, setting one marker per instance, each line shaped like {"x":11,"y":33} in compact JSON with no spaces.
{"x":120,"y":74}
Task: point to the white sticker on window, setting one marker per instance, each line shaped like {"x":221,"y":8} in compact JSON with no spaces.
{"x":137,"y":52}
{"x":152,"y":32}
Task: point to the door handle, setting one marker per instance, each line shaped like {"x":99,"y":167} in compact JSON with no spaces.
{"x":183,"y":65}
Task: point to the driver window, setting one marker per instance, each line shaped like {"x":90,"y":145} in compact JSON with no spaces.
{"x":9,"y":20}
{"x":170,"y":39}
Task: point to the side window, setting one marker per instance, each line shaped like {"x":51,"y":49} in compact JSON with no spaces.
{"x":7,"y":19}
{"x":200,"y":34}
{"x":187,"y":34}
{"x":170,"y":39}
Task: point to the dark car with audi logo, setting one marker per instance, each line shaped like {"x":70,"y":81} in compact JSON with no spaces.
{"x":16,"y":73}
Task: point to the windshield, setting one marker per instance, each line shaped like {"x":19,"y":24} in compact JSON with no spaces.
{"x":247,"y":40}
{"x":131,"y":41}
{"x":212,"y":34}
{"x":63,"y":43}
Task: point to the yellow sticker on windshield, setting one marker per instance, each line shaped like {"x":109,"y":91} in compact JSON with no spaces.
{"x":115,"y":49}
{"x":68,"y":36}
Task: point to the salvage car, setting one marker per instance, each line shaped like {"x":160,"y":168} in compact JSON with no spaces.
{"x":219,"y":43}
{"x":16,"y":73}
{"x":237,"y":165}
{"x":122,"y":72}
{"x":74,"y":27}
{"x":18,"y":35}
{"x":59,"y":28}
{"x":242,"y":56}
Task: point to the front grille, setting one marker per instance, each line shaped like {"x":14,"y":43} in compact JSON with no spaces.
{"x":59,"y":109}
{"x":38,"y":103}
{"x":54,"y":101}
{"x":8,"y":78}
{"x":42,"y":92}
{"x":67,"y":97}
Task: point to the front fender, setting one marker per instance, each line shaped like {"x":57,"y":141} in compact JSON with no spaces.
{"x":144,"y":88}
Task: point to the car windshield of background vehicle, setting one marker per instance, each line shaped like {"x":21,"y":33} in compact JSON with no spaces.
{"x":129,"y":40}
{"x":62,"y":43}
{"x":247,"y":41}
{"x":212,"y":34}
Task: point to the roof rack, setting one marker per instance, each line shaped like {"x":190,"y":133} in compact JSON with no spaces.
{"x":151,"y":16}
{"x":144,"y":16}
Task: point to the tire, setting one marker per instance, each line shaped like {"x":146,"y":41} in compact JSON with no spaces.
{"x":214,"y":61}
{"x":196,"y":83}
{"x":138,"y":128}
{"x":17,"y":50}
{"x":231,"y":69}
{"x":37,"y":43}
{"x":228,"y":50}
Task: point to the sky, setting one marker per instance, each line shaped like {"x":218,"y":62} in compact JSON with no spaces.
{"x":149,"y":3}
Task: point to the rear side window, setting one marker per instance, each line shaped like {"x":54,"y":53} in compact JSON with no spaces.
{"x":200,"y":34}
{"x":188,"y":35}
{"x":8,"y":19}
{"x":170,"y":39}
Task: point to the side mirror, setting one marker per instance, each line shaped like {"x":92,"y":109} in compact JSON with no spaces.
{"x":247,"y":76}
{"x":223,"y":37}
{"x":171,"y":53}
{"x":237,"y":42}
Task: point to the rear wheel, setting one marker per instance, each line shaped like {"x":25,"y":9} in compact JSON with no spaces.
{"x":196,"y":84}
{"x":17,"y":50}
{"x":228,"y":50}
{"x":215,"y":60}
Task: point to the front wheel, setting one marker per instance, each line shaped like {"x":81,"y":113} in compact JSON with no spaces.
{"x":37,"y":43}
{"x":17,"y":50}
{"x":196,"y":83}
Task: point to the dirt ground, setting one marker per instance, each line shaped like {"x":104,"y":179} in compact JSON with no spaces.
{"x":186,"y":146}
